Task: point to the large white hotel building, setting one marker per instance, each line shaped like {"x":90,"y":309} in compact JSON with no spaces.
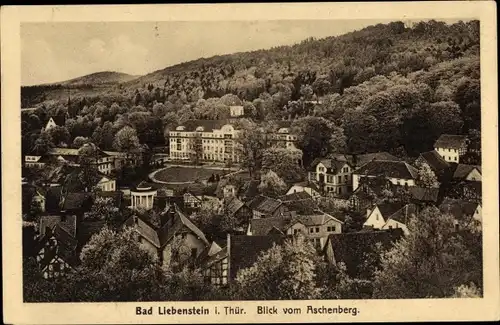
{"x":218,"y":140}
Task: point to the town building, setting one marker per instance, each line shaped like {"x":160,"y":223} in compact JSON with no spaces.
{"x":216,"y":140}
{"x":390,"y":216}
{"x":468,"y":215}
{"x":174,"y":224}
{"x":398,"y":172}
{"x":308,"y":187}
{"x":467,"y":173}
{"x":236,"y":111}
{"x":265,"y":207}
{"x":221,"y":265}
{"x":315,"y":227}
{"x":332,"y":175}
{"x":451,"y":147}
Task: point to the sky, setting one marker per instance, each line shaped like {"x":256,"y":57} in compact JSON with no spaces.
{"x":52,"y":52}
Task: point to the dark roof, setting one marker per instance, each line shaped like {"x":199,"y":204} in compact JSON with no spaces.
{"x":364,"y":158}
{"x":211,"y":254}
{"x":263,"y":226}
{"x":388,"y":209}
{"x":297,"y":196}
{"x":145,"y":229}
{"x":351,"y":248}
{"x":245,"y":250}
{"x":450,"y":141}
{"x":264,"y":204}
{"x":388,"y":168}
{"x":159,"y":237}
{"x":233,"y":205}
{"x":424,"y":194}
{"x":403,"y":214}
{"x":461,"y":210}
{"x":434,"y":160}
{"x":463,"y":170}
{"x":208,"y":125}
{"x":76,"y":201}
{"x":50,"y":221}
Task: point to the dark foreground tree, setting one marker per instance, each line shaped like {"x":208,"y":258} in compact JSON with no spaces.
{"x":431,"y":261}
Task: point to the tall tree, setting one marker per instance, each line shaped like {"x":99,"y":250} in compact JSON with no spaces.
{"x":251,"y":142}
{"x":126,"y":140}
{"x":317,"y":137}
{"x":430,"y":262}
{"x":283,"y":272}
{"x":271,"y":184}
{"x":285,"y":162}
{"x":426,"y":176}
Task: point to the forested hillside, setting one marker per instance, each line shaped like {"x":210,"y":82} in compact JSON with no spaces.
{"x":387,"y":87}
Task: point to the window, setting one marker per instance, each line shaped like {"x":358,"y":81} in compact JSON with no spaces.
{"x":455,"y":158}
{"x":317,"y":229}
{"x":346,"y":178}
{"x":295,"y":231}
{"x":340,"y":190}
{"x":321,"y":169}
{"x":311,"y":230}
{"x":339,"y":179}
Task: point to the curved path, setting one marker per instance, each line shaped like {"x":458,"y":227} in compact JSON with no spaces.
{"x":152,"y":176}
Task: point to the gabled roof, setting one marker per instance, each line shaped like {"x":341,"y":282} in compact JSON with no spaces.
{"x":451,"y":141}
{"x":463,"y":170}
{"x":263,"y":226}
{"x":424,"y":194}
{"x":50,"y":221}
{"x":144,"y":229}
{"x":245,"y":250}
{"x":403,"y":215}
{"x":211,"y":254}
{"x":312,"y":185}
{"x":332,"y":166}
{"x":461,"y":210}
{"x":388,"y":209}
{"x":351,"y":248}
{"x":233,"y":205}
{"x":434,"y":160}
{"x":388,"y":168}
{"x":265,"y":204}
{"x":177,"y":222}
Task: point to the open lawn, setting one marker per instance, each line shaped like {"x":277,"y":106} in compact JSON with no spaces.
{"x":186,"y":174}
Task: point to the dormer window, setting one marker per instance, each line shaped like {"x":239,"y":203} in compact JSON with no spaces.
{"x":180,"y":128}
{"x":199,"y":129}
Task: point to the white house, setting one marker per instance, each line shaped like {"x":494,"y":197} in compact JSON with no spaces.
{"x":308,"y":187}
{"x":390,"y":216}
{"x":451,"y":147}
{"x":397,"y":172}
{"x":236,"y":111}
{"x":106,"y":183}
{"x":334,"y":175}
{"x":468,"y":173}
{"x":50,"y":124}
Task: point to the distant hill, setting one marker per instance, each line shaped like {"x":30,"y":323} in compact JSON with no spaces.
{"x":104,"y":77}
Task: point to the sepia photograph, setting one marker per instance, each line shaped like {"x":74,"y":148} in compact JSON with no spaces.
{"x":322,"y":160}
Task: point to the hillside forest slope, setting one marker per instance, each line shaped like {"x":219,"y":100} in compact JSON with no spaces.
{"x":386,"y":87}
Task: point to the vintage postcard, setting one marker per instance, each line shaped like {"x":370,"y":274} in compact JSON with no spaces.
{"x":249,"y":163}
